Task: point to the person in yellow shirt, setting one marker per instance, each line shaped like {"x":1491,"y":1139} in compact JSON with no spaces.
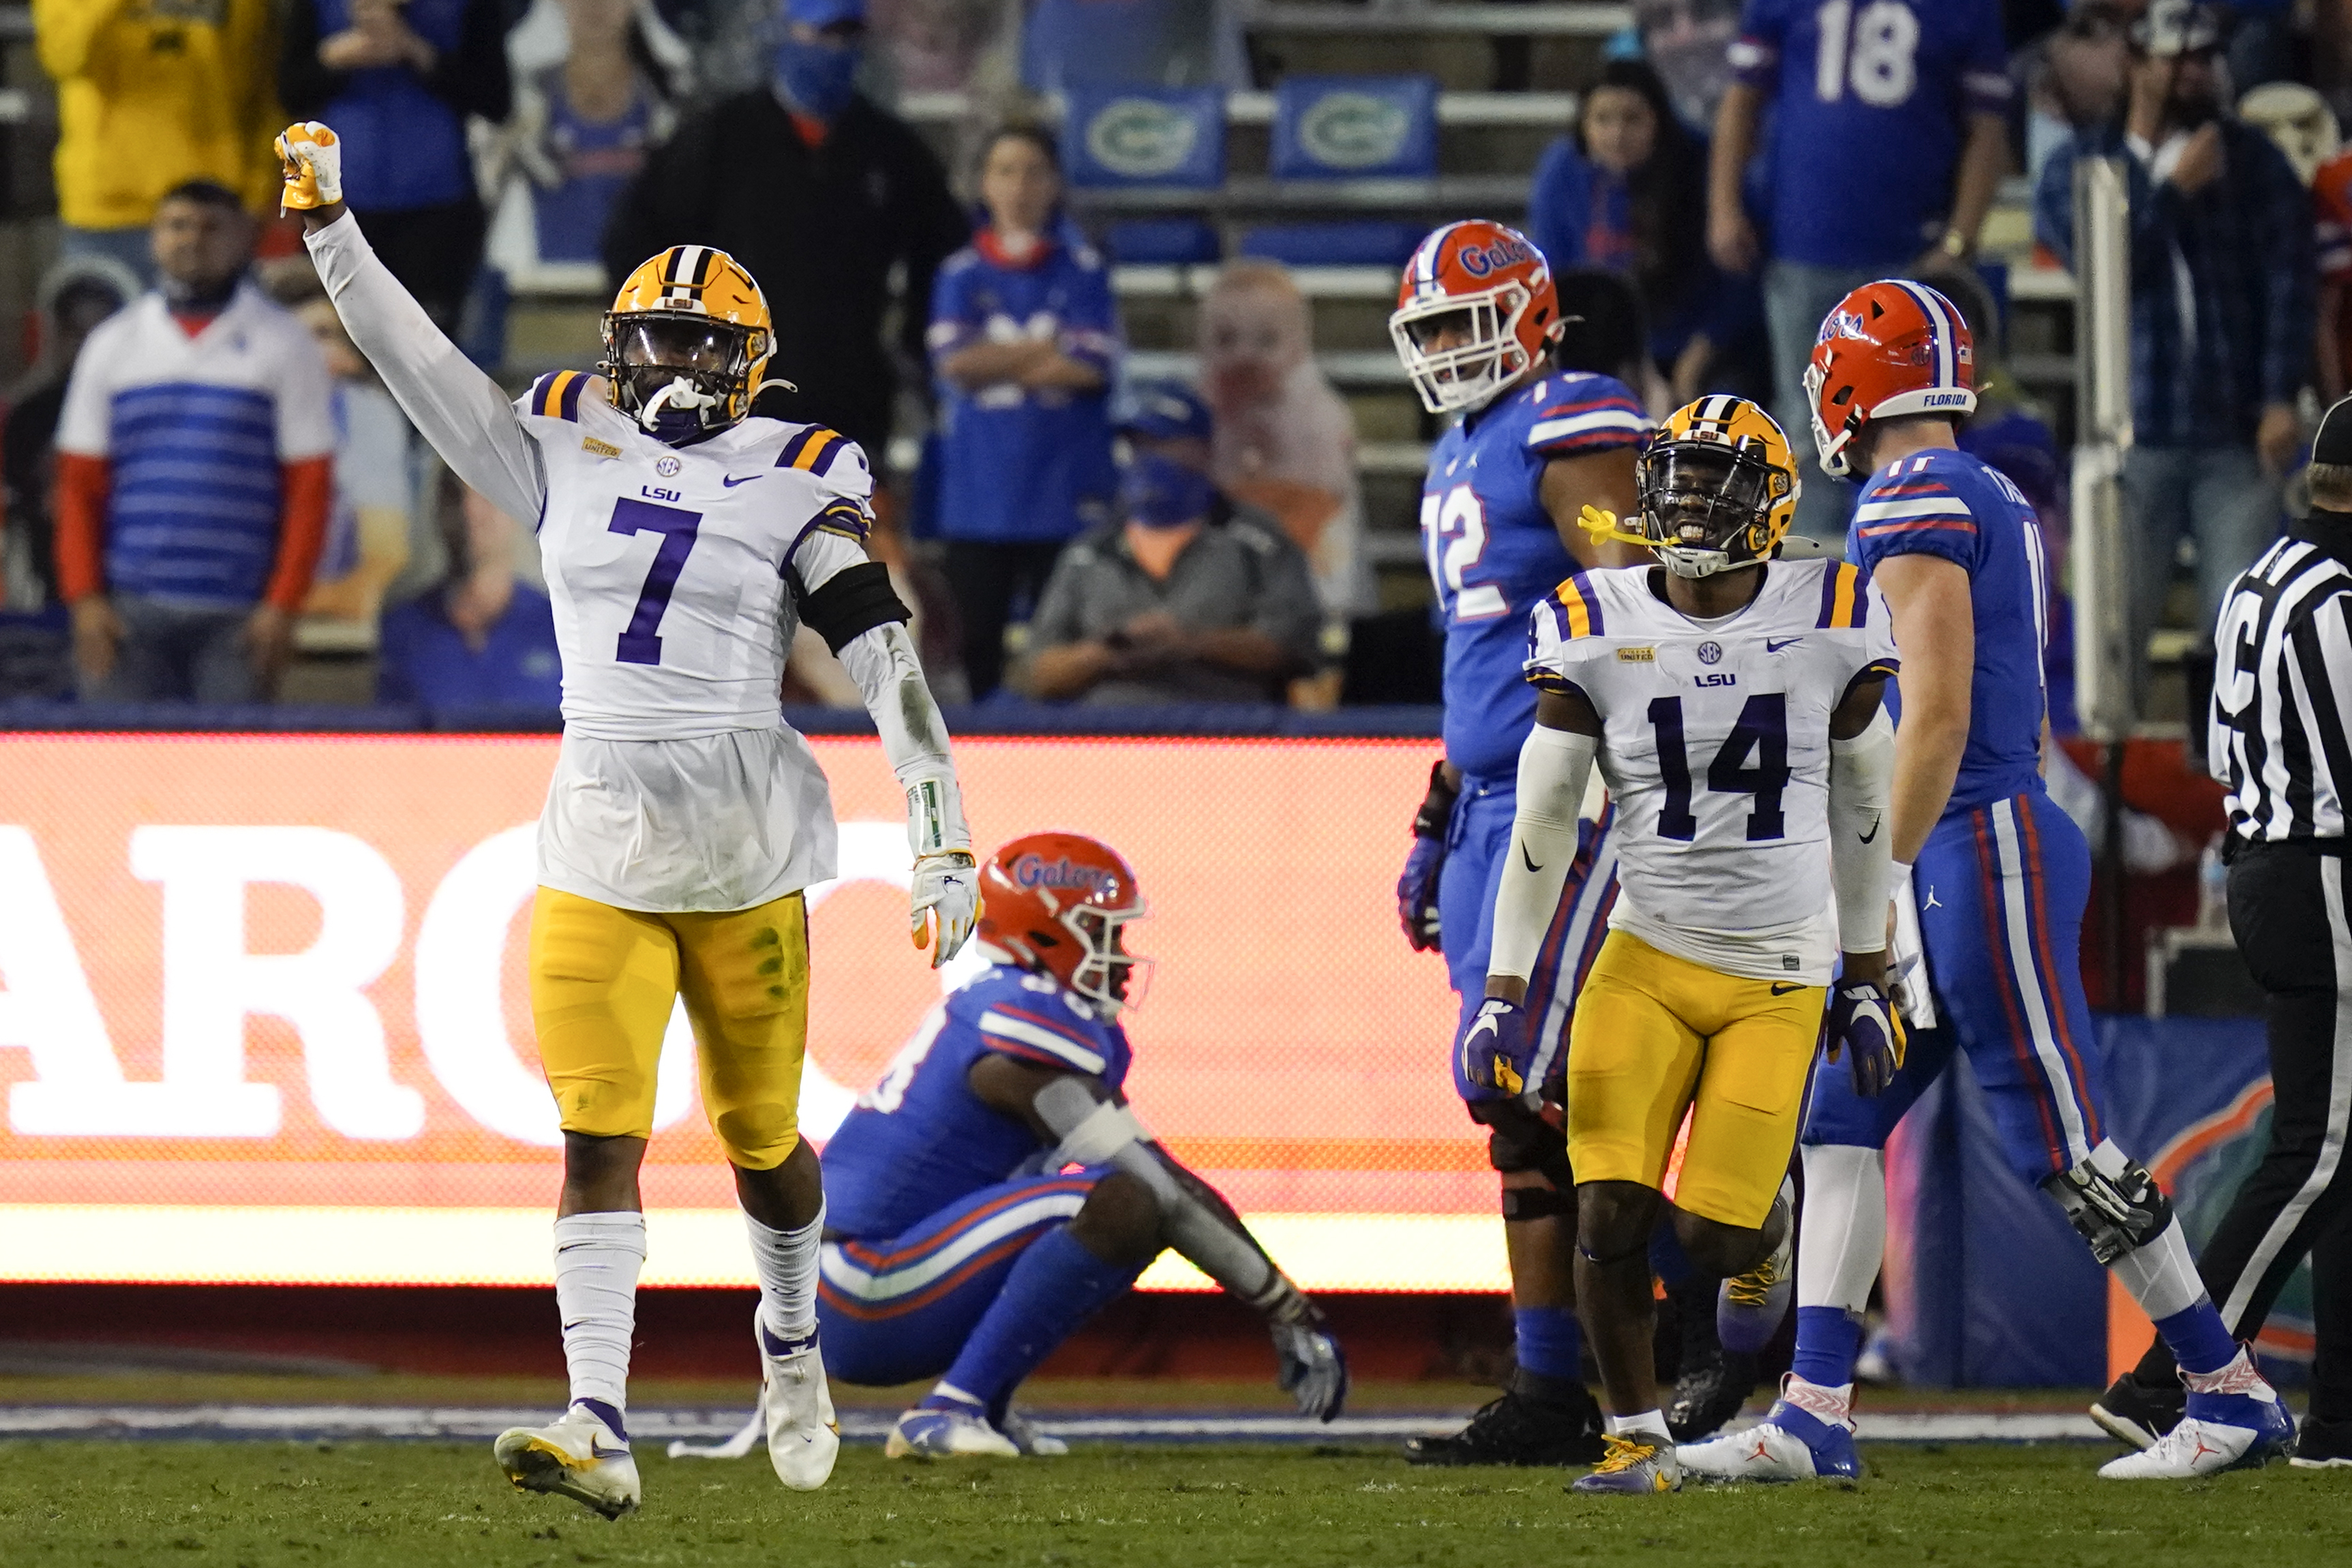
{"x":186,"y":82}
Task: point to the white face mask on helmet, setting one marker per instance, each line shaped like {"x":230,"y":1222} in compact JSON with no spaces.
{"x":1468,"y":374}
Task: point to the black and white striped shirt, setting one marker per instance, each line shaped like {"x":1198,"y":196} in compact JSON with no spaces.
{"x":2280,"y":733}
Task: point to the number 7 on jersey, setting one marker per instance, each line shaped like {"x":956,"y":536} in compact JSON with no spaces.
{"x":641,"y":642}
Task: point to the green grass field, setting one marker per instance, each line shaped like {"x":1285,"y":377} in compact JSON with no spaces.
{"x":367,"y":1505}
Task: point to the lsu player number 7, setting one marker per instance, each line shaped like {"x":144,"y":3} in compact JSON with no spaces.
{"x":683,"y":541}
{"x":1731,"y":701}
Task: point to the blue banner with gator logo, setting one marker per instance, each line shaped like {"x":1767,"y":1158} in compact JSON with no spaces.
{"x":1114,"y":136}
{"x":1355,"y":128}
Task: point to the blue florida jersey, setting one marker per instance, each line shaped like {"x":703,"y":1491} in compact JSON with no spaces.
{"x":1871,"y":104}
{"x":1494,"y":554}
{"x":1961,"y":508}
{"x":921,"y":1140}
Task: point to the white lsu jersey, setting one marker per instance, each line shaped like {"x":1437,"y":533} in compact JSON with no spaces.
{"x":667,"y":565}
{"x":1715,"y":743}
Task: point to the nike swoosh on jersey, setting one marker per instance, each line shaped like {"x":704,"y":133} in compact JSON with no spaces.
{"x":1782,"y":988}
{"x":1774,"y":645}
{"x":730,"y":481}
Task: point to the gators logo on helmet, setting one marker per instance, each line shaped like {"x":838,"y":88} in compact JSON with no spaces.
{"x":686,"y":343}
{"x":1057,"y":903}
{"x":1476,"y":310}
{"x":1890,"y":349}
{"x":1718,"y":487}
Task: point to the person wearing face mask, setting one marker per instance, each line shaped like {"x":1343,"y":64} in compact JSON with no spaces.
{"x":1023,"y":338}
{"x":2224,"y":276}
{"x":1191,"y":598}
{"x":823,"y":196}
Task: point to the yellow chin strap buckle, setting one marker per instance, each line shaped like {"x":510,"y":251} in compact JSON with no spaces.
{"x":1603,"y":525}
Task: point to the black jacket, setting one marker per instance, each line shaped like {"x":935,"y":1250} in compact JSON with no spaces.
{"x":821,"y":228}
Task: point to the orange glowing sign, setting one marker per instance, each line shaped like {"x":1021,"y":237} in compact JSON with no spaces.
{"x":263,"y":1014}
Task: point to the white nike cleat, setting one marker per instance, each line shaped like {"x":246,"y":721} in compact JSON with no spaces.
{"x":1025,"y":1434}
{"x":928,"y":1432}
{"x":1762,"y":1453}
{"x":804,"y":1439}
{"x":576,"y":1456}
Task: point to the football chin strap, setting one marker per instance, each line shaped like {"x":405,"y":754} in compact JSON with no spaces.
{"x":1604,"y":528}
{"x":1099,"y":1132}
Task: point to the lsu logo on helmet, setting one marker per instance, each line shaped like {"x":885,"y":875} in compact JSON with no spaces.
{"x":1718,"y":487}
{"x":686,"y":343}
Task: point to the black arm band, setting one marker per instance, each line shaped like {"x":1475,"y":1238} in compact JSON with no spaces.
{"x":853,"y":601}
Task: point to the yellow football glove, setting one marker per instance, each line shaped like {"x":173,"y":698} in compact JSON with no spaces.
{"x":313,"y":156}
{"x":1601,"y":524}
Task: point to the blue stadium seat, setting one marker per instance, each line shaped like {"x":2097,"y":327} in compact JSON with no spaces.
{"x":1348,"y":128}
{"x":1162,"y":241}
{"x":1138,"y":136}
{"x":1069,"y":44}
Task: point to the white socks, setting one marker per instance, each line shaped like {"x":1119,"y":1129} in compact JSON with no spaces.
{"x":597,"y":1257}
{"x":1650,"y":1424}
{"x":2160,"y":1274}
{"x":785,"y":1261}
{"x":1844,"y":1238}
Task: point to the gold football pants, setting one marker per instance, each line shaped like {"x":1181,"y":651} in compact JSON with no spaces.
{"x":603,"y":985}
{"x":1655,"y":1035}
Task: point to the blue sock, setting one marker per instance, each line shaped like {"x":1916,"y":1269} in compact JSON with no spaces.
{"x":2200,"y":1342}
{"x":1055,"y":1287}
{"x":1668,"y":1261}
{"x":1828,"y":1341}
{"x":1550,"y":1344}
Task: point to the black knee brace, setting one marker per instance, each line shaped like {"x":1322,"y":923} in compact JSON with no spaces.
{"x":1538,"y":1202}
{"x":1518,"y":1139}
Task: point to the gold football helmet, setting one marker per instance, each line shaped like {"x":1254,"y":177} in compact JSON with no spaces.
{"x":1718,"y":487}
{"x":686,"y":343}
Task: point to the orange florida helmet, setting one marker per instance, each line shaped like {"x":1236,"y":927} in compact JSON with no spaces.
{"x":1475,"y":311}
{"x":1057,"y":902}
{"x":1890,"y":349}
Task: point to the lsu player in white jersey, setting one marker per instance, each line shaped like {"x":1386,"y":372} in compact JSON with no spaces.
{"x":1731,"y":700}
{"x":683,"y":541}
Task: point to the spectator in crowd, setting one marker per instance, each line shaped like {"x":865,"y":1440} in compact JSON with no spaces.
{"x":186,"y":86}
{"x":480,"y":638}
{"x":74,"y":297}
{"x":2076,"y":76}
{"x":1689,"y":41}
{"x":1024,"y":340}
{"x":822,"y":194}
{"x":1889,"y":138}
{"x":583,"y":128}
{"x":1285,"y":441}
{"x":367,"y":543}
{"x":1615,"y":192}
{"x":2331,"y":200}
{"x":2223,"y":275}
{"x":397,"y":80}
{"x":1191,"y":598}
{"x":194,"y":473}
{"x":934,"y":45}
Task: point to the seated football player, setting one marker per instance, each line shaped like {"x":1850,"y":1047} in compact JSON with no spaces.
{"x":1731,"y":701}
{"x":995,"y":1189}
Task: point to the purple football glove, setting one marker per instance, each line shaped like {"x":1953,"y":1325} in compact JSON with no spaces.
{"x":1861,"y":1019}
{"x":1417,"y":894}
{"x":1495,"y":1048}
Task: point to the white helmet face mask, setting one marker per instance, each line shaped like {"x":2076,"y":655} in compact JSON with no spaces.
{"x":1109,"y":976}
{"x":1468,"y":374}
{"x":1830,"y":448}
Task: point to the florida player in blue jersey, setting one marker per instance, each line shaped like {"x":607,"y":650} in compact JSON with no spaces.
{"x":1991,"y":880}
{"x":1478,"y":321}
{"x":994,"y":1189}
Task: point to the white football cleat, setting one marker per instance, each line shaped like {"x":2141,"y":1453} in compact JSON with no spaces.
{"x":803,"y":1438}
{"x":2198,"y":1447}
{"x":575,"y":1455}
{"x":1024,"y":1433}
{"x":1762,"y":1453}
{"x":928,"y":1432}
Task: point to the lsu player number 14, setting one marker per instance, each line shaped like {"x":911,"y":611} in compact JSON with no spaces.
{"x":1731,"y":701}
{"x":683,"y":541}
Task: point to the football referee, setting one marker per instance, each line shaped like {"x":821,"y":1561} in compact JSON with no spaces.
{"x":2281,"y":740}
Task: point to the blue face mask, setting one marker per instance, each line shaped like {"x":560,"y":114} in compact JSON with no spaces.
{"x":817,"y":78}
{"x":1161,"y":493}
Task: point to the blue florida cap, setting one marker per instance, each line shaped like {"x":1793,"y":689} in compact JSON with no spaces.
{"x":1162,"y":410}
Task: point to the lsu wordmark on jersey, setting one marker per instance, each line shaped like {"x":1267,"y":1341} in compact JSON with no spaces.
{"x":1717,"y":748}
